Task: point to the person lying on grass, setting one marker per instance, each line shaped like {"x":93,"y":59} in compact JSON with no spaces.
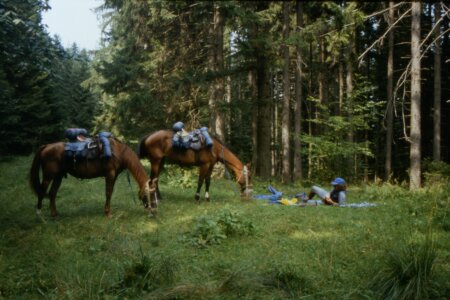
{"x":336,"y":197}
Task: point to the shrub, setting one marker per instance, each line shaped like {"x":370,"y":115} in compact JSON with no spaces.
{"x":206,"y":232}
{"x":211,"y":231}
{"x":182,"y":178}
{"x":232,"y":224}
{"x":436,"y":172}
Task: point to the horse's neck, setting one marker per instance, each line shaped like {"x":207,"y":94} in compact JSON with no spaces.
{"x":227,"y":157}
{"x":134,"y":166}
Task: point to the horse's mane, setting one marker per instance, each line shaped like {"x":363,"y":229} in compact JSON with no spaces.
{"x":132,"y":162}
{"x":218,"y":140}
{"x":141,"y":147}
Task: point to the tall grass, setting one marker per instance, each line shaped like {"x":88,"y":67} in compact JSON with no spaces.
{"x":270,"y":251}
{"x":408,"y":272}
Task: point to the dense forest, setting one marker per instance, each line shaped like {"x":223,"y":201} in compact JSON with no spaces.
{"x":302,"y":90}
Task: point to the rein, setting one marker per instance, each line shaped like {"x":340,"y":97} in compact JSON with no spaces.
{"x":131,"y":188}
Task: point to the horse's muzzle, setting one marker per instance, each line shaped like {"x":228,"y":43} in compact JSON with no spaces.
{"x":247,"y":192}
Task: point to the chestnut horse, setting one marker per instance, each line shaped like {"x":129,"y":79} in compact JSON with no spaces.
{"x":51,"y":159}
{"x":158,"y":146}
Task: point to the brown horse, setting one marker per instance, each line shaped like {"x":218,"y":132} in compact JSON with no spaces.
{"x":51,"y":159}
{"x":158,"y":146}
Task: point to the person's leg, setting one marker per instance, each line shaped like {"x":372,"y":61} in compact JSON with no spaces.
{"x":320,"y":192}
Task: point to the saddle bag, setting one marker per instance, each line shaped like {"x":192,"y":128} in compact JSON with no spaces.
{"x":194,"y":140}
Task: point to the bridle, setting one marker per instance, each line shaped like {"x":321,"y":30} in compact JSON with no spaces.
{"x":248,"y":188}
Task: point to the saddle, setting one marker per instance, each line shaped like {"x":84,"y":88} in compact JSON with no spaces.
{"x":195,"y":140}
{"x":81,"y":147}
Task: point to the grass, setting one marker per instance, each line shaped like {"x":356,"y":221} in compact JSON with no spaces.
{"x":289,"y":253}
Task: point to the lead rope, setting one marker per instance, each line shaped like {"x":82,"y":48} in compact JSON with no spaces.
{"x":228,"y":173}
{"x":131,"y":188}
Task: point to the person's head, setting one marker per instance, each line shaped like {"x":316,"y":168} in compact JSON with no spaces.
{"x":339,"y":183}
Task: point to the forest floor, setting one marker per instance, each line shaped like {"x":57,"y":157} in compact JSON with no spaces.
{"x":225,"y":249}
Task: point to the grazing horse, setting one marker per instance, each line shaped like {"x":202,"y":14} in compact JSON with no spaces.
{"x":158,"y":146}
{"x":51,"y":159}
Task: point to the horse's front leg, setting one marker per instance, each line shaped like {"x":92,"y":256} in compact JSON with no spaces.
{"x":52,"y":194}
{"x":109,"y":188}
{"x":156,"y":165}
{"x":199,"y":187}
{"x":207,"y":183}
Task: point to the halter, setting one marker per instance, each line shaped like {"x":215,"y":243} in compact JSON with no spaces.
{"x":247,"y":190}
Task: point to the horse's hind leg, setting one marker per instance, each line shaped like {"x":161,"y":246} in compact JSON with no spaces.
{"x":201,"y":178}
{"x":52,"y":195}
{"x":109,"y":188}
{"x":44,"y":186}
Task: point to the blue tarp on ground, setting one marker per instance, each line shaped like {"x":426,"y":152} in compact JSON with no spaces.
{"x":276,"y":196}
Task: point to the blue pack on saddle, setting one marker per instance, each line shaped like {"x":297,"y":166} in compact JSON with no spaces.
{"x":82,"y":147}
{"x":190,"y":140}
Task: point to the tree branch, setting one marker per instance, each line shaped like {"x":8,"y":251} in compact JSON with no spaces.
{"x":383,"y":36}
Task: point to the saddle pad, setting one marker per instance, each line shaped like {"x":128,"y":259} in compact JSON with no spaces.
{"x":81,"y":150}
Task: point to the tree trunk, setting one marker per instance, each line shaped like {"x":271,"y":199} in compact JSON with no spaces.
{"x":437,"y":88}
{"x":264,"y":119}
{"x":341,"y":85}
{"x":415,"y":134}
{"x":298,"y":172}
{"x":311,"y":112}
{"x":390,"y":100}
{"x":254,"y":96}
{"x":351,"y":161}
{"x":216,"y":100}
{"x":321,"y":73}
{"x":286,"y":112}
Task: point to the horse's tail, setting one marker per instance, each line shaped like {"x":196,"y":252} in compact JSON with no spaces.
{"x":142,"y":153}
{"x":34,"y":172}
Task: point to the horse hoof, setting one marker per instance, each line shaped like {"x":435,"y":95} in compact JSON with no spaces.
{"x":207,"y":199}
{"x":197,"y":197}
{"x":38,"y":212}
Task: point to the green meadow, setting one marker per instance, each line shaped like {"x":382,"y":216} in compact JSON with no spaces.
{"x":226,"y":249}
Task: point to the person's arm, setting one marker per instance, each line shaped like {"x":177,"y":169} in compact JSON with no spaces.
{"x":342,"y":198}
{"x":330,"y":201}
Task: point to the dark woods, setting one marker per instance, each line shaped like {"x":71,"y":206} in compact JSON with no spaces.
{"x":42,"y":84}
{"x":300,"y":89}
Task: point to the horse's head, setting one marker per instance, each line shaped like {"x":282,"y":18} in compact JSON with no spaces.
{"x":148,"y":195}
{"x":245,"y":182}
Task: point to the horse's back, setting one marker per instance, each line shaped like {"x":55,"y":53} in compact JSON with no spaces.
{"x":157,"y":144}
{"x":53,"y":151}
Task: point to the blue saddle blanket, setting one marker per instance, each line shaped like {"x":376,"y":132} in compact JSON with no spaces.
{"x":89,"y":148}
